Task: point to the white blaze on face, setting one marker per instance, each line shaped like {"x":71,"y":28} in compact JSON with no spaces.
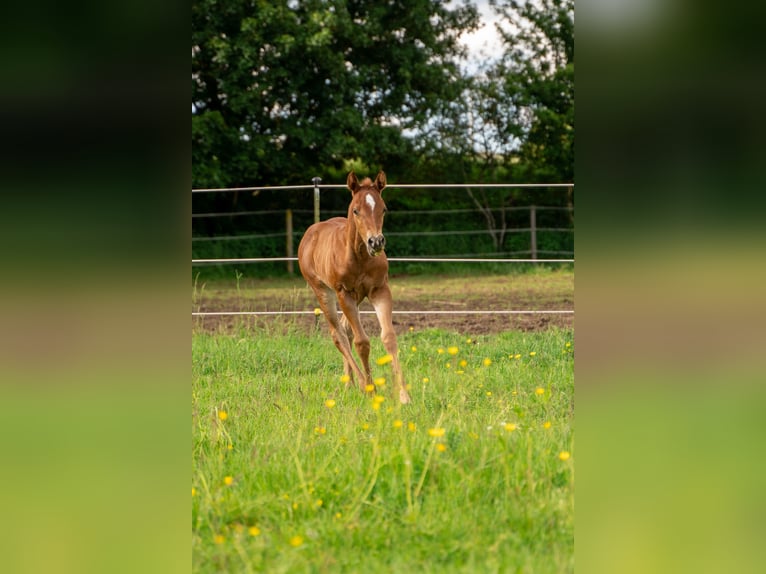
{"x":370,"y":201}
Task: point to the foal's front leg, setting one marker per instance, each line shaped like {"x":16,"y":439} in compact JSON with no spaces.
{"x":361,"y":341}
{"x":382,"y":302}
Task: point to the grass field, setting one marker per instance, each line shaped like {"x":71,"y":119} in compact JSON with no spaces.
{"x":292,"y":472}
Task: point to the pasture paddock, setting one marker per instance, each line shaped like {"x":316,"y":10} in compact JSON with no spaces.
{"x":541,"y":288}
{"x":291,"y":472}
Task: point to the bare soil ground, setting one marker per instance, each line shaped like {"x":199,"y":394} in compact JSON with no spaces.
{"x":540,"y":290}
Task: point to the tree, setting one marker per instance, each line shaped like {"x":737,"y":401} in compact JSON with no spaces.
{"x":284,"y":89}
{"x":514,"y":120}
{"x":535,"y":79}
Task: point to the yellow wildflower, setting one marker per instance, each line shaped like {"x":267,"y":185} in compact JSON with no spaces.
{"x":564,"y":455}
{"x":222,"y":415}
{"x":517,"y":356}
{"x":380,"y":382}
{"x":229,"y":446}
{"x":425,"y":379}
{"x":452,"y":350}
{"x":413,"y":348}
{"x":369,"y":388}
{"x":365,"y":426}
{"x":487,"y":361}
{"x":228,"y":480}
{"x":318,"y":502}
{"x":463,"y":363}
{"x":345,"y":378}
{"x":385,"y":359}
{"x":329,"y":403}
{"x":317,"y":311}
{"x":469,"y":340}
{"x":510,"y":427}
{"x":194,"y":491}
{"x":547,"y":424}
{"x":440,"y":351}
{"x":296,"y":541}
{"x":411,"y":427}
{"x":436,"y":432}
{"x":539,"y":391}
{"x":489,"y":393}
{"x":320,"y":430}
{"x":412,"y":328}
{"x":441,"y":447}
{"x":219,"y":539}
{"x":254,"y":531}
{"x":398,"y":424}
{"x":532,"y":353}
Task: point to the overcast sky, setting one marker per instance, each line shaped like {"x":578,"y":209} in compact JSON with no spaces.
{"x":484,"y":43}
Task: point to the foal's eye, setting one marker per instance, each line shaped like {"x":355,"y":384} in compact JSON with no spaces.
{"x":356,"y":212}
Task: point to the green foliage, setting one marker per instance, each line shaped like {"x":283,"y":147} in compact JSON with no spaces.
{"x":535,"y":81}
{"x":343,"y":486}
{"x":293,"y":88}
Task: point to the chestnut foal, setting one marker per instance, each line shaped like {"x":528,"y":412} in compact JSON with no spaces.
{"x":343,"y":261}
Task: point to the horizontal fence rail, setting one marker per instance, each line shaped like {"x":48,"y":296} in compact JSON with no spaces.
{"x":398,"y":213}
{"x":475,"y":312}
{"x":396,"y":233}
{"x":391,"y":185}
{"x":391,"y":259}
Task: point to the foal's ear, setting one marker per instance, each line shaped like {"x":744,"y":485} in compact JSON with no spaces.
{"x":352,"y":183}
{"x":380,"y":181}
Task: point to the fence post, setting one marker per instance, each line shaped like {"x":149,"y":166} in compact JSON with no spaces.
{"x":289,"y":225}
{"x":316,"y":181}
{"x":533,"y":230}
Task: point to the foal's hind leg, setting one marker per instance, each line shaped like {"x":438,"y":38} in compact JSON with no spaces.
{"x":348,"y":370}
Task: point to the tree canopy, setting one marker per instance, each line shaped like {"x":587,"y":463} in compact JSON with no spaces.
{"x":284,"y":89}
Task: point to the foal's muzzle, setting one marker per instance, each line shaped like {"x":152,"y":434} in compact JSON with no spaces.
{"x":376,"y":244}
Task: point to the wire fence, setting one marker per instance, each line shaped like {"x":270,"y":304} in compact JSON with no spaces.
{"x":390,"y":259}
{"x":423,"y":312}
{"x":531,"y":255}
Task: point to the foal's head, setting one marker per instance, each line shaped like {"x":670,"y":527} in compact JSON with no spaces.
{"x":367,"y":210}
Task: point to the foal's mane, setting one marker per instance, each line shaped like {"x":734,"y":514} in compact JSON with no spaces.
{"x":365,"y":181}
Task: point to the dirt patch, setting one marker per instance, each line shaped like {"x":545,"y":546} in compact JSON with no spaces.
{"x":541,"y":291}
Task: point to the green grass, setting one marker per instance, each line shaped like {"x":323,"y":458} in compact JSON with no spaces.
{"x":351,"y":488}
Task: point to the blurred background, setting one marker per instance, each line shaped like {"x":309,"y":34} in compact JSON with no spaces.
{"x":96,"y":222}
